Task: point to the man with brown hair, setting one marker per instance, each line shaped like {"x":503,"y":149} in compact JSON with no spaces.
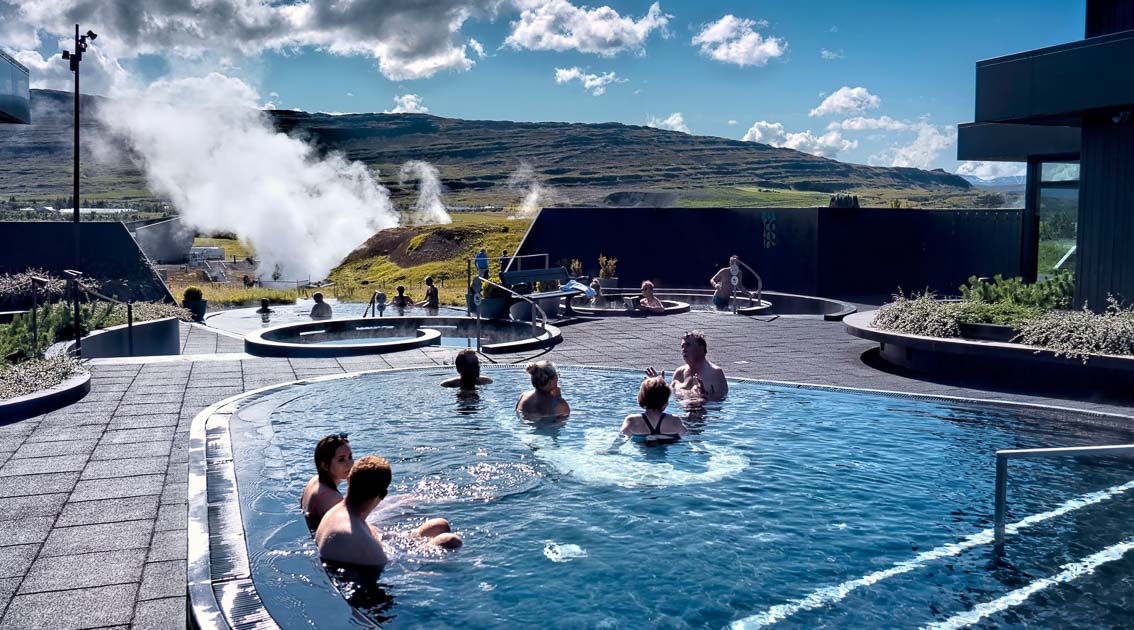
{"x":468,"y":372}
{"x":699,"y":378}
{"x":345,"y":537}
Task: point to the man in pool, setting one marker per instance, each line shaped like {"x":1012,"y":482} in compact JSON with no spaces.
{"x":345,"y":537}
{"x":401,"y":300}
{"x":468,"y":372}
{"x":321,"y":310}
{"x":722,"y":283}
{"x":699,"y":378}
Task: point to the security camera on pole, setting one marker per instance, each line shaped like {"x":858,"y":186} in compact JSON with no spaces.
{"x":75,"y":58}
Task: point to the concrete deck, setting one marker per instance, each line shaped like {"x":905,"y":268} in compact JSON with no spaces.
{"x":93,"y":533}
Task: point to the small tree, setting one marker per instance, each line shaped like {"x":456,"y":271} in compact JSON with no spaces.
{"x":575,"y":267}
{"x":607,"y":266}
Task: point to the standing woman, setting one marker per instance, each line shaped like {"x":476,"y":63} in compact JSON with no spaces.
{"x":333,"y":460}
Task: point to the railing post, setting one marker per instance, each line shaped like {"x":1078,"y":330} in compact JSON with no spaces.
{"x":34,"y":321}
{"x":1001,"y":508}
{"x":130,"y":326}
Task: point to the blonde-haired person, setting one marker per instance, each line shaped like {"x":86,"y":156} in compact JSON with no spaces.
{"x":650,"y":302}
{"x":544,"y":400}
{"x":653,"y":425}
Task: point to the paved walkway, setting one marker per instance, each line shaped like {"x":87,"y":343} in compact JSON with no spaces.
{"x":93,"y":530}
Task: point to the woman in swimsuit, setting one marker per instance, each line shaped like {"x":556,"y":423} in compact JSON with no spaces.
{"x":649,"y":302}
{"x":653,"y":425}
{"x":333,"y":460}
{"x":544,"y":400}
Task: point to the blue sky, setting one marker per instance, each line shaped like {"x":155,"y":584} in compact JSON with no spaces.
{"x":911,"y":62}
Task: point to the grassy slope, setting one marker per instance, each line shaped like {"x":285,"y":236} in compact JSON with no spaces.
{"x":465,"y":236}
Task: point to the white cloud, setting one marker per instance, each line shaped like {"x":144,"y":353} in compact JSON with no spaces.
{"x":673,"y":122}
{"x":992,"y":170}
{"x":732,"y":121}
{"x":829,"y":144}
{"x":830,"y":55}
{"x":594,"y":83}
{"x":847,"y":100}
{"x":931,"y":140}
{"x":559,"y":25}
{"x":408,"y":104}
{"x":101,"y":73}
{"x":860,"y":123}
{"x":833,"y":29}
{"x":409,"y":39}
{"x":735,"y":40}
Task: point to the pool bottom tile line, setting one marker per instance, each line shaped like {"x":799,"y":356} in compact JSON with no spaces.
{"x":833,"y":594}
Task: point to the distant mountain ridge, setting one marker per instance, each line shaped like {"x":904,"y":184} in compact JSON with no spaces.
{"x":583,"y":163}
{"x":1008,"y":180}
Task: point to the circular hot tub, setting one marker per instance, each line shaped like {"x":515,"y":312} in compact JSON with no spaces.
{"x":380,"y":335}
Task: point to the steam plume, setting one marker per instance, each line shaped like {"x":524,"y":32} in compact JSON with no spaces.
{"x":524,"y":181}
{"x":206,"y":146}
{"x":429,"y":207}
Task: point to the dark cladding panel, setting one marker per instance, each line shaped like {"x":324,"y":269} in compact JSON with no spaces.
{"x":1001,"y":142}
{"x":15,"y":97}
{"x":1109,"y":16}
{"x":1106,"y":214}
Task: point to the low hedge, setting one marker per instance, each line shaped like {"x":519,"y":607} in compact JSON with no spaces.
{"x":36,"y":375}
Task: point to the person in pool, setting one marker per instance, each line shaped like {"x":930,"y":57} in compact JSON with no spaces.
{"x":649,"y":302}
{"x":722,"y":283}
{"x":401,"y":300}
{"x":468,"y":372}
{"x":321,"y":310}
{"x":698,"y":379}
{"x":333,"y":460}
{"x":431,"y":301}
{"x":544,"y":400}
{"x":653,"y":424}
{"x":345,"y":537}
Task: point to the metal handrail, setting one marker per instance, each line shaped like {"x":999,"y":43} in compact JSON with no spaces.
{"x":759,"y":286}
{"x":376,"y":307}
{"x":475,"y":287}
{"x":1002,"y":457}
{"x":129,"y":304}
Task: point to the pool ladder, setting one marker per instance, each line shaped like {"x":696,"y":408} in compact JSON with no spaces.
{"x":735,"y":279}
{"x":474,"y":287}
{"x":1002,"y":458}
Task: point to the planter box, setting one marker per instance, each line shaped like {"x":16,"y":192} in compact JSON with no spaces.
{"x":155,"y":337}
{"x":608,"y":283}
{"x":494,"y":308}
{"x":198,"y":308}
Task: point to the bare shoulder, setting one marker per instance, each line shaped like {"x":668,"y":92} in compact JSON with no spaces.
{"x":483,"y":380}
{"x":451,"y":382}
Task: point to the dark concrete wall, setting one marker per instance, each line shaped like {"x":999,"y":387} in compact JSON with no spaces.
{"x":812,"y":251}
{"x":164,"y":242}
{"x":108,"y":253}
{"x":152,"y":338}
{"x":1105,"y":255}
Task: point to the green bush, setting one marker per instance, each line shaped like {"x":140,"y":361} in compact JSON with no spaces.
{"x":1000,"y":313}
{"x":918,"y":315}
{"x":192,"y":294}
{"x":1054,"y":292}
{"x":32,"y":376}
{"x":1079,"y":334}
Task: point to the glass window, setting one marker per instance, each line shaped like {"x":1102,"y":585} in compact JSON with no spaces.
{"x":1059,"y":172}
{"x":1058,"y":226}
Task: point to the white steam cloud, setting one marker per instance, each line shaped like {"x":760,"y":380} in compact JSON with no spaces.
{"x":429,"y":207}
{"x":205,"y":145}
{"x":525,"y":181}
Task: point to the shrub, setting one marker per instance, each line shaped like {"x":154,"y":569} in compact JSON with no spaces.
{"x":32,"y":376}
{"x":575,"y":267}
{"x":918,"y":315}
{"x":1054,"y":292}
{"x":192,"y":294}
{"x":1078,"y":334}
{"x":490,"y":291}
{"x":1000,"y":313}
{"x":607,"y":266}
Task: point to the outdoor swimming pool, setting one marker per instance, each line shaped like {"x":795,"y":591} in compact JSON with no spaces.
{"x":801,"y":507}
{"x":242,"y":321}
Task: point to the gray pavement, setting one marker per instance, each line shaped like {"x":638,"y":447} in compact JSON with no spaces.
{"x":94,"y":530}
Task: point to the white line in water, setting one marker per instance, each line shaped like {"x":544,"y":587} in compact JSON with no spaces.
{"x":1071,"y":571}
{"x":831,"y":594}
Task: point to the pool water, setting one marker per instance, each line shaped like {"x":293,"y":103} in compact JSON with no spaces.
{"x":796,"y":507}
{"x":242,"y":321}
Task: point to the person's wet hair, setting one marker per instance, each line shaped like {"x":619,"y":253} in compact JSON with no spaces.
{"x":654,"y":393}
{"x":697,"y":336}
{"x":468,"y":366}
{"x":369,"y":479}
{"x":542,"y":373}
{"x":401,"y":289}
{"x":428,"y":279}
{"x":318,"y":297}
{"x":646,"y":284}
{"x":325,"y":452}
{"x":263,"y":302}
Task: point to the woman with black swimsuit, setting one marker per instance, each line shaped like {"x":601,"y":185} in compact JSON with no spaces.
{"x":653,"y":396}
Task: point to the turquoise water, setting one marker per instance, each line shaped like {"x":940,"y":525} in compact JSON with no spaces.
{"x":802,"y":508}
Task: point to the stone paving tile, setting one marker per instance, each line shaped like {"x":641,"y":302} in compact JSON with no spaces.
{"x":114,"y":488}
{"x":126,"y":451}
{"x":8,"y":589}
{"x":130,"y":436}
{"x":64,"y":434}
{"x":146,"y":422}
{"x":166,"y":545}
{"x":25,"y":531}
{"x":72,"y":610}
{"x":163,"y":579}
{"x":175,"y":492}
{"x":31,"y":466}
{"x":48,"y":449}
{"x":172,"y":516}
{"x":101,"y":537}
{"x":160,"y":614}
{"x":23,"y":485}
{"x":15,"y":560}
{"x":109,"y":468}
{"x":144,"y":409}
{"x":33,"y":505}
{"x":108,"y":510}
{"x":57,"y":573}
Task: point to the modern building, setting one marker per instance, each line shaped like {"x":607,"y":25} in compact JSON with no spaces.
{"x":1067,"y":111}
{"x":15,"y":97}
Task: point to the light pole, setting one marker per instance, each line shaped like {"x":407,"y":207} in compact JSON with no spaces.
{"x":75,"y":58}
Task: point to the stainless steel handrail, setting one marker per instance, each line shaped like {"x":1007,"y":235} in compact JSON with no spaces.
{"x":129,"y":314}
{"x":475,"y":288}
{"x":1002,"y":457}
{"x":759,"y":286}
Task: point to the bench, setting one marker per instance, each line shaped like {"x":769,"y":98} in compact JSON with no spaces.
{"x":532,"y":276}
